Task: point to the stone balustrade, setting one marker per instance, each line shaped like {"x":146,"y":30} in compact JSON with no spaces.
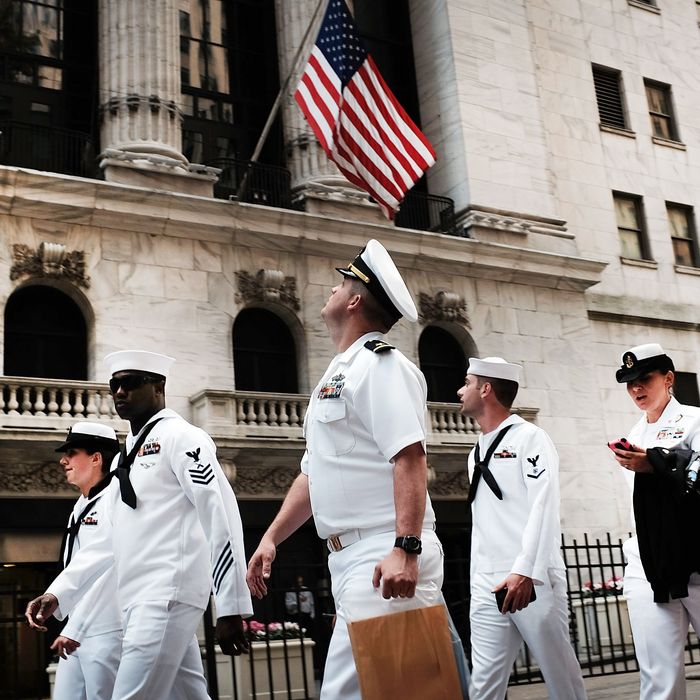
{"x":36,"y":403}
{"x":239,"y":414}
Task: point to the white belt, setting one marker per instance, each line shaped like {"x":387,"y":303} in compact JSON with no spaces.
{"x":345,"y":539}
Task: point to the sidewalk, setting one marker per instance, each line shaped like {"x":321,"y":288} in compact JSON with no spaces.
{"x":621,"y":686}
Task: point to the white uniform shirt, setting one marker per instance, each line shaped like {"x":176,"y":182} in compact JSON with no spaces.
{"x":98,"y":611}
{"x":367,"y":407}
{"x":184,"y":534}
{"x":520,"y":534}
{"x":677,"y":426}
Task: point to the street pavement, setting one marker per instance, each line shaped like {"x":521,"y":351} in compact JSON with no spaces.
{"x":621,"y":686}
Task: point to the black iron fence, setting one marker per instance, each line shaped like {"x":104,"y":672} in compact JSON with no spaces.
{"x":598,"y":618}
{"x":291,"y":628}
{"x":47,"y":148}
{"x":255,"y":183}
{"x":427,"y":212}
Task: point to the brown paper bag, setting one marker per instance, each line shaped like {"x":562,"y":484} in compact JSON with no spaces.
{"x":406,"y":655}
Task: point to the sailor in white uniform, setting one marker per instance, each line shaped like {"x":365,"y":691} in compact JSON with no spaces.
{"x":363,"y":475}
{"x":514,"y":496}
{"x":659,"y":629}
{"x":176,"y":534}
{"x":90,"y":644}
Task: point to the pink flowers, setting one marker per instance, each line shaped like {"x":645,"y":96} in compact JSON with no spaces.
{"x":260,"y":632}
{"x":613,"y":586}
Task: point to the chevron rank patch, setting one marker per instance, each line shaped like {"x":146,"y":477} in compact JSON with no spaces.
{"x":535,"y":471}
{"x":201,"y":474}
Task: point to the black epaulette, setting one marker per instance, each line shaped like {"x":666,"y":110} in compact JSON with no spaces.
{"x":378,"y":346}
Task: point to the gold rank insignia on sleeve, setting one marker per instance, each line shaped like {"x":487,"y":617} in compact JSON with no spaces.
{"x":378,"y":346}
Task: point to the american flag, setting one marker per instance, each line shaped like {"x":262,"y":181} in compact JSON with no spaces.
{"x":356,"y":118}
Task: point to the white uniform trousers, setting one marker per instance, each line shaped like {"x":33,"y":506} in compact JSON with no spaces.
{"x":543,"y":625}
{"x":160,"y":653}
{"x":660,"y":631}
{"x":355,"y":598}
{"x":89,"y":672}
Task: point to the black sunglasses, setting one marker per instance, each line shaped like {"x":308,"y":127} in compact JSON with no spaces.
{"x":129,"y":382}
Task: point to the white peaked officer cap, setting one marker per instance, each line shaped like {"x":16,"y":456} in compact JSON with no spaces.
{"x":139,"y":361}
{"x":377,"y":271}
{"x":496,"y":368}
{"x":642,"y":359}
{"x":85,"y":434}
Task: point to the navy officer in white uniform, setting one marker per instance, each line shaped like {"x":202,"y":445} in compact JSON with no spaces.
{"x":659,"y":619}
{"x":364,"y":474}
{"x":90,"y":644}
{"x":514,"y":497}
{"x":176,"y":534}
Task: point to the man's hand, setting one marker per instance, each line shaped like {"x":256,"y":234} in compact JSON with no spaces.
{"x":231,"y":635}
{"x":259,"y":568}
{"x":39,"y":610}
{"x":635,"y":460}
{"x":64,"y":645}
{"x":519,"y":592}
{"x":400,"y":573}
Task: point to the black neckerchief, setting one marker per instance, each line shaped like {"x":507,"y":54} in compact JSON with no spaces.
{"x":71,"y":532}
{"x":481,"y":468}
{"x":124,"y":466}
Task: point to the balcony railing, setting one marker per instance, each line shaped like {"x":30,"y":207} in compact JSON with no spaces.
{"x":240,"y":414}
{"x":427,"y":212}
{"x":47,"y":148}
{"x":268,"y":185}
{"x":28,"y":402}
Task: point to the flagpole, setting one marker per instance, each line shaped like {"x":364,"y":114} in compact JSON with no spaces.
{"x":278,"y":101}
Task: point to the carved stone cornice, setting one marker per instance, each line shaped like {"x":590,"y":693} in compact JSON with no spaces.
{"x":267,"y":285}
{"x":474,"y":219}
{"x":443,"y":306}
{"x":275,"y":482}
{"x":32,"y":478}
{"x":49,"y":260}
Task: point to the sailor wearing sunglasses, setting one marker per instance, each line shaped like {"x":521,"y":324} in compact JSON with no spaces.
{"x":176,"y":534}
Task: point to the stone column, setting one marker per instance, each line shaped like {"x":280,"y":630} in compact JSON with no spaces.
{"x":315,"y":179}
{"x":139,"y":98}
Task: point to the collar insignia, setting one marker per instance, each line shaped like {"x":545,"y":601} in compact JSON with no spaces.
{"x":378,"y":346}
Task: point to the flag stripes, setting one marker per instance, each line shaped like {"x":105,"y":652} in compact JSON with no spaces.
{"x":356,"y":118}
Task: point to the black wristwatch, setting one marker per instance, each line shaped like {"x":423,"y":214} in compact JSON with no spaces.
{"x":410,"y":544}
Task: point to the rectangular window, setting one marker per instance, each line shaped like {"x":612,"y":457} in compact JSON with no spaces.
{"x":630,"y":226}
{"x":660,"y":110}
{"x":681,"y":225}
{"x":685,"y":388}
{"x":608,"y":92}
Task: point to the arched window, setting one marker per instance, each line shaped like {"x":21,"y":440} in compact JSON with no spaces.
{"x":45,"y":335}
{"x":264,"y":354}
{"x":443,"y":363}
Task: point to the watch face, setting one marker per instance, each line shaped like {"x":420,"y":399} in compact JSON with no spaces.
{"x":411,"y":544}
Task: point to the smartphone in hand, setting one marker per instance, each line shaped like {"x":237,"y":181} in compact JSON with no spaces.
{"x":501,"y":597}
{"x":621,"y":444}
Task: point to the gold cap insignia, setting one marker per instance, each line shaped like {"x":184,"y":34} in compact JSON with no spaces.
{"x":629,"y":360}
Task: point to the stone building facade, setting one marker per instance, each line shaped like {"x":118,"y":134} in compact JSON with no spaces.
{"x":567,"y":145}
